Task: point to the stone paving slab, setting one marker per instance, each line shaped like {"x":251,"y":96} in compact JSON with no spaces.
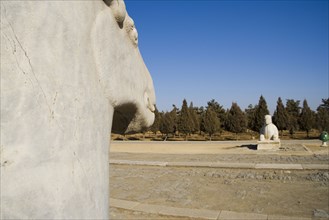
{"x":315,"y":166}
{"x":124,"y":204}
{"x":164,"y":210}
{"x":227,"y":215}
{"x":196,"y":213}
{"x":233,"y":165}
{"x":154,"y":209}
{"x":225,"y":165}
{"x":188,"y":164}
{"x":211,"y":164}
{"x":135,"y":162}
{"x":279,"y":217}
{"x":191,"y":213}
{"x":279,"y":166}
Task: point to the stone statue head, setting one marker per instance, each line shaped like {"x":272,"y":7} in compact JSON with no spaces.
{"x":64,"y":81}
{"x":268,"y":119}
{"x":125,"y":79}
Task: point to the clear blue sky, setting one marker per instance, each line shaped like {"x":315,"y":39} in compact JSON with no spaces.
{"x":234,"y":51}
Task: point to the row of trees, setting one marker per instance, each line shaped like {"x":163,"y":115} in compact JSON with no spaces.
{"x":214,"y":118}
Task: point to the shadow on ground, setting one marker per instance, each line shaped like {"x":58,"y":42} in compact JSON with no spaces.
{"x":249,"y":146}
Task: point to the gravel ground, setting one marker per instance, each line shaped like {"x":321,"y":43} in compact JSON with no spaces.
{"x":231,"y":158}
{"x":274,"y":192}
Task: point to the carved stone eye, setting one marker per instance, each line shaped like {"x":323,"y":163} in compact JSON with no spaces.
{"x":129,"y":23}
{"x":131,"y":30}
{"x":121,"y":16}
{"x":119,"y":10}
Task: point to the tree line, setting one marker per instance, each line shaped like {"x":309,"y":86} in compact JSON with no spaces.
{"x":213,"y":118}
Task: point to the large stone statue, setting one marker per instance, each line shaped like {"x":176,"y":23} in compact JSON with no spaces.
{"x":69,"y":70}
{"x":269,"y":131}
{"x":269,"y":135}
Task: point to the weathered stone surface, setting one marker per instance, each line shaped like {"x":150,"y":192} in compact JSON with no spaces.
{"x":67,"y":69}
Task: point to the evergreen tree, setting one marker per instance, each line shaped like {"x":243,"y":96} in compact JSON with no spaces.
{"x":250,"y":115}
{"x":185,"y":123}
{"x":194,"y":117}
{"x":226,"y":122}
{"x":322,"y":116}
{"x":280,"y":116}
{"x":211,"y":122}
{"x":157,"y":122}
{"x":174,"y":115}
{"x":167,"y":124}
{"x":260,"y":111}
{"x":220,"y":111}
{"x":201,"y":114}
{"x":236,"y":119}
{"x":325,"y":104}
{"x":293,"y":111}
{"x":306,"y":118}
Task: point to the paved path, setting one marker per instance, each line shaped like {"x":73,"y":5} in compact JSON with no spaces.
{"x":195,"y":213}
{"x":217,"y":142}
{"x":276,"y":166}
{"x":214,"y":147}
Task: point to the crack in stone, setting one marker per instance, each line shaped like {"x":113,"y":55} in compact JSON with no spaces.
{"x":51,"y":112}
{"x":29,"y":61}
{"x":13,"y":46}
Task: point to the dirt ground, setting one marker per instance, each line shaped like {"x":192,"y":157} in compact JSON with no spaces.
{"x":274,"y":192}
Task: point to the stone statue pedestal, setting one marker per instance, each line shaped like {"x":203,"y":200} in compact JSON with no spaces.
{"x":270,"y":145}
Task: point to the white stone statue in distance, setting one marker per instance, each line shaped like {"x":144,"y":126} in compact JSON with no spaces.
{"x":269,"y":131}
